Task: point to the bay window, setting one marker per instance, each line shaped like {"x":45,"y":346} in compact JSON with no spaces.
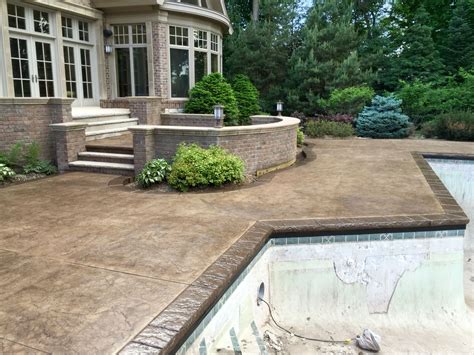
{"x":194,"y":53}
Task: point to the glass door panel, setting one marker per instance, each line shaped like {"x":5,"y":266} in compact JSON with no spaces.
{"x":140,"y":66}
{"x":86,"y":70}
{"x":44,"y":64}
{"x":20,"y":65}
{"x":124,"y":72}
{"x":70,"y":68}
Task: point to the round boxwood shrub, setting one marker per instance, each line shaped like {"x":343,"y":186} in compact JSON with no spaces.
{"x":383,"y":119}
{"x":213,"y":90}
{"x":194,"y":166}
{"x":247,"y":97}
{"x":154,"y":172}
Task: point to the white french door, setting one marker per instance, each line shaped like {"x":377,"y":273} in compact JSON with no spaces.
{"x":78,"y":68}
{"x":33,"y":65}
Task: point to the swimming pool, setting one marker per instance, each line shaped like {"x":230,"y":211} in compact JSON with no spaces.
{"x":333,"y":286}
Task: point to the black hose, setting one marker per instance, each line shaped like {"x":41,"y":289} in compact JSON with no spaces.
{"x":347,"y":341}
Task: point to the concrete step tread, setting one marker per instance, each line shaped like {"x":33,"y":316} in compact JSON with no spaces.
{"x":107,"y":131}
{"x":106,"y":155}
{"x":95,"y":164}
{"x":83,"y":113}
{"x":115,"y":121}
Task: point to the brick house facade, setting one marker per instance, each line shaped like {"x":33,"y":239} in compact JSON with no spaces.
{"x":142,"y":55}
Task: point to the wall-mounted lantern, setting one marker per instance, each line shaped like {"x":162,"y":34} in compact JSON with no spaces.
{"x":279,"y":107}
{"x":108,"y":47}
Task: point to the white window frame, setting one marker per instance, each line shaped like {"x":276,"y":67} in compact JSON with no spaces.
{"x":191,"y":54}
{"x":130,"y":45}
{"x":77,"y":45}
{"x":30,"y":35}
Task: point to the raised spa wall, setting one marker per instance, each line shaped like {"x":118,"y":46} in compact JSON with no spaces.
{"x":268,"y":144}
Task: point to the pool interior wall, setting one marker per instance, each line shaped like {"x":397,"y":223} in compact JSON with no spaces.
{"x":458,"y":177}
{"x":334,"y":286}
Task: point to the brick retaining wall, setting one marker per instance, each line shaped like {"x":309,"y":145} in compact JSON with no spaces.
{"x":146,"y":108}
{"x":190,"y":120}
{"x":261,"y":146}
{"x":27,"y":120}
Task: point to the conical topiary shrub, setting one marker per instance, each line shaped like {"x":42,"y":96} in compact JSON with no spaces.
{"x":212,"y":90}
{"x":247,"y":97}
{"x":383,"y":119}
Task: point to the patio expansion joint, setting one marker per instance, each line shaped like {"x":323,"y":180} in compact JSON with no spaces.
{"x":96,"y":267}
{"x":24,"y":345}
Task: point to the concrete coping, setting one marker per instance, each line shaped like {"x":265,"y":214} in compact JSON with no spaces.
{"x":68,"y":126}
{"x":282,"y":122}
{"x":35,"y":101}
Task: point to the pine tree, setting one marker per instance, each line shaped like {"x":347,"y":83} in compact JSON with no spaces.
{"x":458,"y":51}
{"x":262,"y":49}
{"x":328,"y":57}
{"x":413,"y":54}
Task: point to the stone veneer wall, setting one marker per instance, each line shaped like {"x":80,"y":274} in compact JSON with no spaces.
{"x":27,"y":120}
{"x":262,"y":146}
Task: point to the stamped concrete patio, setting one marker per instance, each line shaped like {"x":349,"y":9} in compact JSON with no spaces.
{"x":86,"y":263}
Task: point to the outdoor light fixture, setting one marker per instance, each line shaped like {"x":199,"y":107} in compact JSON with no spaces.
{"x":279,"y":107}
{"x":218,"y":113}
{"x":108,"y":47}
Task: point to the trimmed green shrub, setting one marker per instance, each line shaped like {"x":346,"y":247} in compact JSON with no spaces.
{"x":5,"y":173}
{"x":154,"y":172}
{"x":299,"y":137}
{"x":194,"y":166}
{"x":247,"y":97}
{"x":422,"y":102}
{"x":452,"y":126}
{"x":383,"y":119}
{"x":213,"y":90}
{"x":40,"y":167}
{"x":322,"y":128}
{"x":349,"y":101}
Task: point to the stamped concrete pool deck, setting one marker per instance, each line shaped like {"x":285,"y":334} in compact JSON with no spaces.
{"x":86,"y":264}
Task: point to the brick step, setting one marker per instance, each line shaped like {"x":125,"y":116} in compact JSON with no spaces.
{"x":102,"y":167}
{"x":91,"y":147}
{"x":106,"y":157}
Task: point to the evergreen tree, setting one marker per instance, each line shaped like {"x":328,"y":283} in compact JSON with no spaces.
{"x":261,"y":49}
{"x":413,"y":54}
{"x":458,"y":51}
{"x":327,"y":58}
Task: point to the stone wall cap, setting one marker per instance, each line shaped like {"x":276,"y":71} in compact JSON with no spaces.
{"x":68,"y":126}
{"x":36,"y":101}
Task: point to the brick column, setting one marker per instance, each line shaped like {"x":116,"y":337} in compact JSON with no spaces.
{"x":143,"y":146}
{"x":147,"y":109}
{"x":61,"y":110}
{"x":70,"y":140}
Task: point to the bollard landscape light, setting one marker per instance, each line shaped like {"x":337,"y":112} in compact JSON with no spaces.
{"x":279,"y":107}
{"x":218,"y":113}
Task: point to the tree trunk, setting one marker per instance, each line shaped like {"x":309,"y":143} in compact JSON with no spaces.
{"x":255,"y":6}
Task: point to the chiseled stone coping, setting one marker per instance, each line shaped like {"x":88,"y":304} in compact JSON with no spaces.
{"x":170,"y":329}
{"x":289,"y":122}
